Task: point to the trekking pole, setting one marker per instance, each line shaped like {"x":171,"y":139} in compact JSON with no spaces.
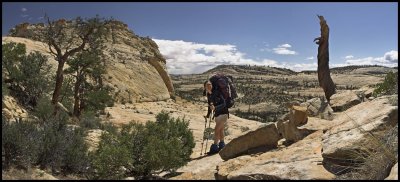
{"x":206,"y":130}
{"x":209,"y":133}
{"x":202,"y":143}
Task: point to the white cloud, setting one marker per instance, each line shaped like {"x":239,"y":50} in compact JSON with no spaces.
{"x":310,"y":58}
{"x":391,"y":56}
{"x":285,"y":46}
{"x":349,"y":57}
{"x":24,"y":9}
{"x":40,"y":18}
{"x":284,"y":49}
{"x":389,"y":59}
{"x":190,"y":57}
{"x":23,"y":15}
{"x":303,"y":66}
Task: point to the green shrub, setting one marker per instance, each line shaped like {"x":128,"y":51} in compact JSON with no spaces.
{"x":98,"y":100}
{"x":4,"y":89}
{"x":28,"y":75}
{"x":163,"y":145}
{"x":20,"y":142}
{"x":50,"y":142}
{"x":63,"y":147}
{"x":108,"y":127}
{"x":89,"y":120}
{"x":44,"y":109}
{"x":108,"y":160}
{"x":169,"y":143}
{"x":388,"y":86}
{"x":75,"y":159}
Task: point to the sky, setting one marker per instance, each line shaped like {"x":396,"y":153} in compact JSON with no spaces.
{"x":197,"y":36}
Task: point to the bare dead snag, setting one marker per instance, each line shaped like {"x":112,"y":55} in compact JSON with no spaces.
{"x":324,"y":77}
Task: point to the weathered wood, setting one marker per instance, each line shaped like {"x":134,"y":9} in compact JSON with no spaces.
{"x":324,"y":77}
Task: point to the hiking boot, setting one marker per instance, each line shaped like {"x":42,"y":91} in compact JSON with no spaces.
{"x":213,"y":149}
{"x":221,"y":145}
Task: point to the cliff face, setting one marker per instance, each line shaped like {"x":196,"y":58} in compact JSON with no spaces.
{"x":135,"y":67}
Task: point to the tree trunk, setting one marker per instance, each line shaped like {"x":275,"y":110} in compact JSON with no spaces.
{"x":324,"y":77}
{"x":77,"y":97}
{"x":59,"y":82}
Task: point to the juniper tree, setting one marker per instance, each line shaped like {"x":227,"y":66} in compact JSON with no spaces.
{"x":65,"y":39}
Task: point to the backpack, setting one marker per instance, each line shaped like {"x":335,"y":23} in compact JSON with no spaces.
{"x":224,"y":83}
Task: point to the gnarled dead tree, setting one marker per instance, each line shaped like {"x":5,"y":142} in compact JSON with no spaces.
{"x":324,"y":77}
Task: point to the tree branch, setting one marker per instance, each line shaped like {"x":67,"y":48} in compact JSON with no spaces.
{"x":84,"y":41}
{"x":51,"y":41}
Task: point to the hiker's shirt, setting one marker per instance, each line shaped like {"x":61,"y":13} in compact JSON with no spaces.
{"x":217,"y":99}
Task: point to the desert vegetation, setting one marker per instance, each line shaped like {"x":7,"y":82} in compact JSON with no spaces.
{"x":64,"y":106}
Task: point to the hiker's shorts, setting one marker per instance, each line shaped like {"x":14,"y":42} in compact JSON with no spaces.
{"x":221,"y":118}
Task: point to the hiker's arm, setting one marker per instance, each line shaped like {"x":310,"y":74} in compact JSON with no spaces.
{"x":209,"y":111}
{"x":209,"y":102}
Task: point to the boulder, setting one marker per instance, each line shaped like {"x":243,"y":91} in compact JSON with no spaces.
{"x":365,"y":92}
{"x":288,"y":129}
{"x":343,"y":100}
{"x":299,"y":161}
{"x":264,"y":137}
{"x":357,"y":131}
{"x":315,"y":124}
{"x":11,"y":109}
{"x":318,"y":108}
{"x":298,"y":115}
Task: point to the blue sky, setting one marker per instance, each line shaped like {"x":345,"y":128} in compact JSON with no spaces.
{"x":195,"y":36}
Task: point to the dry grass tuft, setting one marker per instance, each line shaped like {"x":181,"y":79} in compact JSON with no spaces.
{"x":374,"y":164}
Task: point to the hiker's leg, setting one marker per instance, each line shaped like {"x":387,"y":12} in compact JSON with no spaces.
{"x":223,"y":118}
{"x":214,"y":147}
{"x":216,"y":132}
{"x":219,"y":123}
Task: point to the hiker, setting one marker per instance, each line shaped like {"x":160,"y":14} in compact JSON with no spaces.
{"x":216,"y":104}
